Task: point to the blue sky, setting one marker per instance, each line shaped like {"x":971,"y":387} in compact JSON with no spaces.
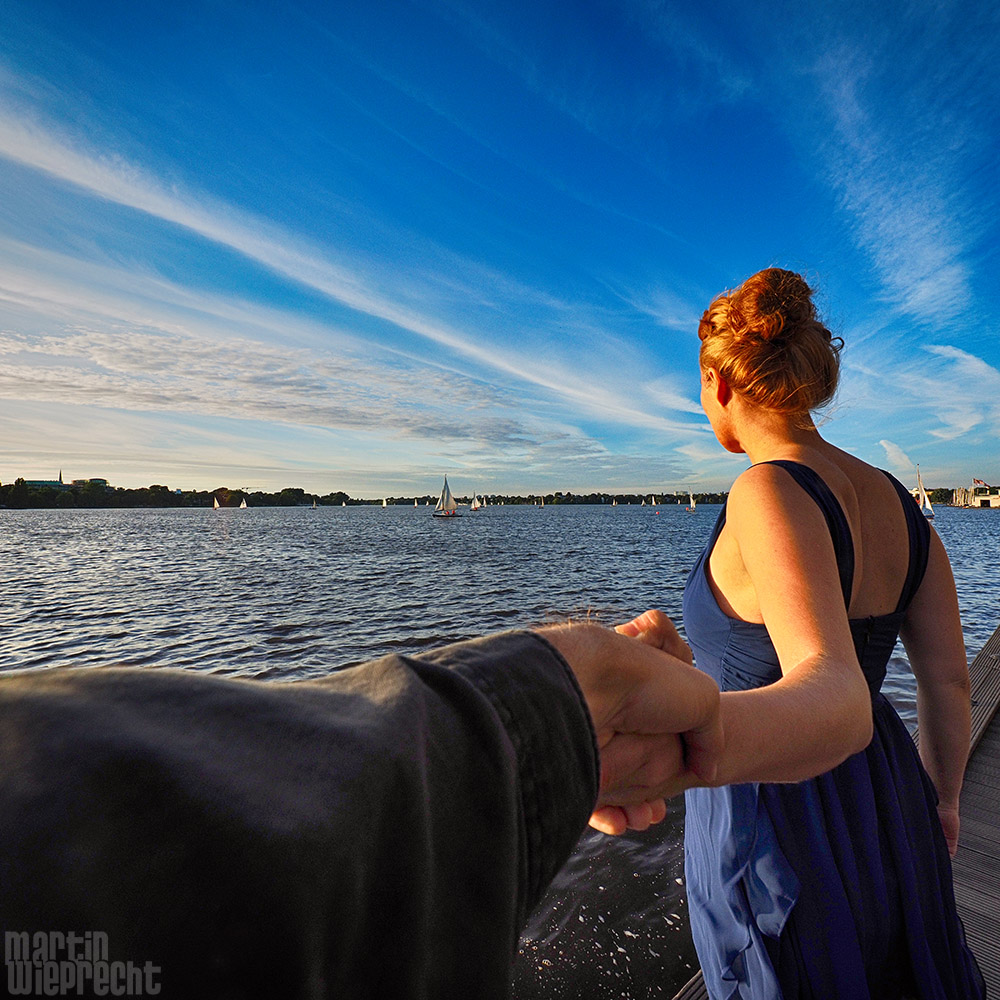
{"x":359,"y":245}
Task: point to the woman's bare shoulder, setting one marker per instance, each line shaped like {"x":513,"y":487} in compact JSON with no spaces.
{"x":767,"y":494}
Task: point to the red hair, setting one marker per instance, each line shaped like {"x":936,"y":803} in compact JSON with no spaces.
{"x":767,"y":341}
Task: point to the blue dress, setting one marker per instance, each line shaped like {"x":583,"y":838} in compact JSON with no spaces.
{"x":840,"y":886}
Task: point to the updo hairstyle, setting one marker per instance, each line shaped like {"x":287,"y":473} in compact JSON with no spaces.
{"x":766,"y":340}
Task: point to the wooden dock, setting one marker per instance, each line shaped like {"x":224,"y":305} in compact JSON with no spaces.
{"x":976,"y":867}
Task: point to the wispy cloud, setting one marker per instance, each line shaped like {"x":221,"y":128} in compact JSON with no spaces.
{"x":899,"y":134}
{"x":938,"y":392}
{"x":964,"y":392}
{"x":259,"y":240}
{"x":898,"y":460}
{"x":904,"y":220}
{"x":140,"y":369}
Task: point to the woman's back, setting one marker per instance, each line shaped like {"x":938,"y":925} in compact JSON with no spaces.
{"x":877,"y":525}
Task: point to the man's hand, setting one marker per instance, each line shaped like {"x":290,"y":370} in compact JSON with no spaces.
{"x":655,"y":715}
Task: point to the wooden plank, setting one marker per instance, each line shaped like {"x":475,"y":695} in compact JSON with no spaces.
{"x":693,"y":989}
{"x":977,"y":864}
{"x":976,"y":868}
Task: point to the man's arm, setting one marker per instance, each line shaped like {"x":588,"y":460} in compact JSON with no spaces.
{"x":383,"y":831}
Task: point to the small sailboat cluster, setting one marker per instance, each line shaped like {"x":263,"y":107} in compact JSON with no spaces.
{"x":692,"y":507}
{"x":218,"y":506}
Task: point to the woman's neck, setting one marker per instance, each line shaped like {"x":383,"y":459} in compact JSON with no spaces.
{"x":766,"y":435}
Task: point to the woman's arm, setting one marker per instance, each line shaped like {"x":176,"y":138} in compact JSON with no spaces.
{"x":932,"y":636}
{"x":779,"y":559}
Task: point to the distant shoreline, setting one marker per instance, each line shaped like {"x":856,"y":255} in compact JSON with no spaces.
{"x":24,"y":495}
{"x":98,"y":494}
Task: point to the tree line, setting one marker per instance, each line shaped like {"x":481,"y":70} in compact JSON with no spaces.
{"x":21,"y":495}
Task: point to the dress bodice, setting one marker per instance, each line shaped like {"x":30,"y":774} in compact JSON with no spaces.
{"x":739,"y":655}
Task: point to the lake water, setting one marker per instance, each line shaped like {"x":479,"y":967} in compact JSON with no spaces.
{"x":293,"y":592}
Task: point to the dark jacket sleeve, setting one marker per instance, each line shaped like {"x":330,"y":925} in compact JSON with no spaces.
{"x":382,"y":832}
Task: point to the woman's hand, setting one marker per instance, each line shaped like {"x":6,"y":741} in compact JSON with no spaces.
{"x":655,"y":715}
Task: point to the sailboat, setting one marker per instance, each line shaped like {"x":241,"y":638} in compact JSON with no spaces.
{"x":691,"y":508}
{"x":924,"y":499}
{"x":475,"y":505}
{"x":415,"y":504}
{"x":446,"y":506}
{"x":215,"y":502}
{"x":243,"y":504}
{"x":314,"y":504}
{"x":385,"y":502}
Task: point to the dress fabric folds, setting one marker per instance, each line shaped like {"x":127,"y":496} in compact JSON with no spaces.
{"x":839,"y":886}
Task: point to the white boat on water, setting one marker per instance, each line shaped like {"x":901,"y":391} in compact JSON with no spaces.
{"x":476,"y":504}
{"x":446,"y":506}
{"x":215,"y":502}
{"x":923,"y":499}
{"x":691,"y":508}
{"x":243,"y":504}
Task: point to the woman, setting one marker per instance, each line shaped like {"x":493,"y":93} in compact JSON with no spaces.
{"x":838,"y":886}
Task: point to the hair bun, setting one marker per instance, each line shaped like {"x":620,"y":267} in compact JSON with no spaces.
{"x":770,"y":303}
{"x":767,"y":339}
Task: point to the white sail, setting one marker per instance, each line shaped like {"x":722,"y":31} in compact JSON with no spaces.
{"x":215,"y":503}
{"x":243,"y":504}
{"x":446,"y":506}
{"x":385,"y":502}
{"x":925,"y":500}
{"x":692,"y":506}
{"x":475,"y":505}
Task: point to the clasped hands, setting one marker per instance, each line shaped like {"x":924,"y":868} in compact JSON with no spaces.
{"x":656,"y":717}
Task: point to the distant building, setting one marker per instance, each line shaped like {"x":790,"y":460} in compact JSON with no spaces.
{"x":979,"y":494}
{"x":52,"y":484}
{"x":90,"y":482}
{"x":58,"y":484}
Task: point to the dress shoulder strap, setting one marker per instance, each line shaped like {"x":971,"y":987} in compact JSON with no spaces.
{"x":840,"y":530}
{"x":919,"y":532}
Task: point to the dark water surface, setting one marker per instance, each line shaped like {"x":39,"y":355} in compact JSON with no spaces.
{"x":295,"y":592}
